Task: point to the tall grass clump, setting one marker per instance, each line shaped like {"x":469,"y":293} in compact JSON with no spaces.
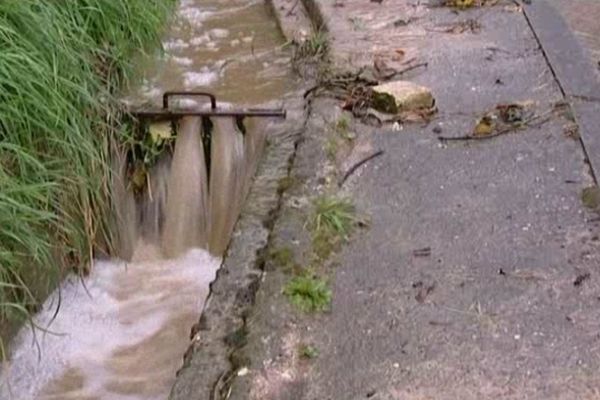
{"x":62,"y":65}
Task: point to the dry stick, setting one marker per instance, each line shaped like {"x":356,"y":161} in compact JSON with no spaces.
{"x":217,"y":386}
{"x":526,"y":123}
{"x":358,"y":164}
{"x":291,"y":10}
{"x":405,"y":70}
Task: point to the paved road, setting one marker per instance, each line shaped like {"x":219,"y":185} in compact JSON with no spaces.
{"x":583,"y":16}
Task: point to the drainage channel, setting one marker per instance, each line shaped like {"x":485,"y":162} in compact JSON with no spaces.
{"x":120,"y":333}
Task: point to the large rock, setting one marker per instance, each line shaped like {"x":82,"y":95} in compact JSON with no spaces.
{"x":396,"y":96}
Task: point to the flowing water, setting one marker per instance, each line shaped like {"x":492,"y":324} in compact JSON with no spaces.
{"x":120,"y":333}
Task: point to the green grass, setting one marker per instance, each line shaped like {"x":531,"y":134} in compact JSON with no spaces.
{"x":333,"y":221}
{"x":313,"y":48}
{"x":307,"y":351}
{"x":341,"y":135}
{"x":62,"y":64}
{"x":308,"y":293}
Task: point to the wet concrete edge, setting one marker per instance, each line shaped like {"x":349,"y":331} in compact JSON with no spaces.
{"x":221,"y":328}
{"x":210,"y":363}
{"x":574,"y":72}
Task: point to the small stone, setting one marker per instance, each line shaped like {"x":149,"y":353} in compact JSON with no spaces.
{"x":437,"y":130}
{"x":396,"y":365}
{"x":396,"y":96}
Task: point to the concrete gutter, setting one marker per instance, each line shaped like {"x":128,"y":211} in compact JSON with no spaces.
{"x":210,"y":361}
{"x":213,"y":358}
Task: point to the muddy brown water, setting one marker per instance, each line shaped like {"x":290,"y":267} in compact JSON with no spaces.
{"x":121,"y":332}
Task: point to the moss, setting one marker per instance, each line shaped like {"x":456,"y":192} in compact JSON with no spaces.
{"x":282,"y":257}
{"x":286,"y":183}
{"x":325,"y":244}
{"x":237,"y":338}
{"x":384,"y":102}
{"x":590,"y":196}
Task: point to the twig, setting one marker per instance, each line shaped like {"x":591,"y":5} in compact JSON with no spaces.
{"x":217,"y":386}
{"x":291,"y":10}
{"x":357,"y":165}
{"x":405,"y":70}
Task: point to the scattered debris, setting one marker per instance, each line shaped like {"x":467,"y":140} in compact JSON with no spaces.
{"x":505,"y":118}
{"x":572,"y":131}
{"x":355,"y":90}
{"x":357,"y":165}
{"x":524,"y":275}
{"x":403,"y":21}
{"x":581,"y":278}
{"x":470,"y":25}
{"x":424,"y":252}
{"x":424,"y":292}
{"x":439,"y":323}
{"x":460,"y":3}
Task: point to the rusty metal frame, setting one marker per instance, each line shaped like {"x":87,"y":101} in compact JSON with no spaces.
{"x":167,"y":113}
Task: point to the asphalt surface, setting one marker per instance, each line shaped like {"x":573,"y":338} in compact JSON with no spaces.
{"x":583,"y":17}
{"x":505,"y":306}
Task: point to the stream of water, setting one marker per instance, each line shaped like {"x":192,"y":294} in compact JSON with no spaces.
{"x":120,"y":332}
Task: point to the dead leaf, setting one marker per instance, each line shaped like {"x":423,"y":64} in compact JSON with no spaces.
{"x":460,"y":3}
{"x":160,"y":131}
{"x":485,"y":126}
{"x":399,"y":56}
{"x":138,"y":177}
{"x":424,"y":292}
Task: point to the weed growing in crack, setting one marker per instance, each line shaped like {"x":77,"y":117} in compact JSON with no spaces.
{"x":333,"y":221}
{"x":331,"y":148}
{"x":308,"y":352}
{"x":308,"y":293}
{"x":341,"y":135}
{"x":312,"y":49}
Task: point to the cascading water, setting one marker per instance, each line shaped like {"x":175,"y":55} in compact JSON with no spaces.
{"x":187,"y":214}
{"x":120,"y":333}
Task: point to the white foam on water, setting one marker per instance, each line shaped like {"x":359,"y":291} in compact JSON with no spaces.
{"x":119,"y":315}
{"x":200,"y":40}
{"x":194,"y":15}
{"x":185,"y":61}
{"x":176,"y":44}
{"x":218,"y":33}
{"x":201,"y":78}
